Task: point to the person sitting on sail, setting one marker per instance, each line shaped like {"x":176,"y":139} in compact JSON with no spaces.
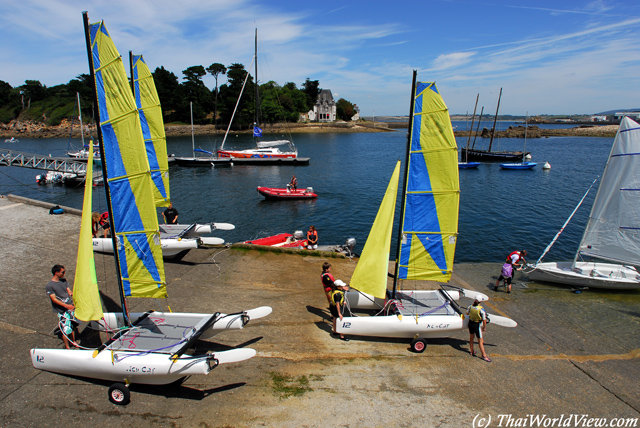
{"x":505,"y":274}
{"x":312,"y":238}
{"x":293,"y":184}
{"x":337,"y":304}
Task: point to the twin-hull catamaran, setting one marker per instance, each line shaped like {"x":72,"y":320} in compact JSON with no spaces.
{"x":148,"y":348}
{"x":176,"y":239}
{"x":613,"y":229}
{"x":427,"y":238}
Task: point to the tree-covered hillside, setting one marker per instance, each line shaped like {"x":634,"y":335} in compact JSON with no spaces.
{"x":49,"y":105}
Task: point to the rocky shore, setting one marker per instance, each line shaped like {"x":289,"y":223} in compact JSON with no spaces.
{"x":64,"y":130}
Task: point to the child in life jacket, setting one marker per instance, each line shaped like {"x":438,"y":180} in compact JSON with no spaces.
{"x":505,"y":274}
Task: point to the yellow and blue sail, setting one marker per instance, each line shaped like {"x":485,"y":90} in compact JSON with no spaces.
{"x":155,"y":140}
{"x":134,"y":221}
{"x":430,"y":220}
{"x":370,"y":275}
{"x":86,"y":297}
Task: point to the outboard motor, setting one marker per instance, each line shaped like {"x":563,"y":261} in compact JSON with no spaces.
{"x":298,"y":235}
{"x":350,"y":244}
{"x":309,"y":189}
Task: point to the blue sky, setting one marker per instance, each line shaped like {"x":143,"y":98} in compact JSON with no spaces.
{"x":550,"y":57}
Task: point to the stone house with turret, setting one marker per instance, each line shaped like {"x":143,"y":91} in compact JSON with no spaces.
{"x":325,"y":108}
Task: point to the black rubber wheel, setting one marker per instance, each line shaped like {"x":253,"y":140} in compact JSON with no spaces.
{"x":119,"y":394}
{"x":418,"y":345}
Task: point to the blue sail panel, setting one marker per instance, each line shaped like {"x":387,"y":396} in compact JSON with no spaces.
{"x":152,"y":123}
{"x":430,"y":221}
{"x":135,"y":222}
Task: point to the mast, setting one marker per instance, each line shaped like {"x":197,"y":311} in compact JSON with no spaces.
{"x":493,"y":130}
{"x":524,"y":152}
{"x":404,"y":186}
{"x":473,"y":118}
{"x":193,"y":144}
{"x":257,"y":89}
{"x":131,"y":80}
{"x":477,"y":128}
{"x":107,"y":189}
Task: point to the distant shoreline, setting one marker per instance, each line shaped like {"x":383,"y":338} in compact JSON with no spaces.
{"x":37,"y":130}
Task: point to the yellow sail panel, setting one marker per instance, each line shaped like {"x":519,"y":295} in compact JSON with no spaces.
{"x":430,"y":221}
{"x":155,"y":140}
{"x":135,"y":221}
{"x":370,"y":275}
{"x":86,"y":297}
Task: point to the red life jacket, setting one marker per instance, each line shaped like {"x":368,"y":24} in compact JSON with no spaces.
{"x":313,"y":235}
{"x":519,"y":256}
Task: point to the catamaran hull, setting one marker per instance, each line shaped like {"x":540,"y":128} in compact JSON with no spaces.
{"x":170,"y":247}
{"x":402,"y":327}
{"x":227,"y":322}
{"x":125,"y":366}
{"x":587,"y":274}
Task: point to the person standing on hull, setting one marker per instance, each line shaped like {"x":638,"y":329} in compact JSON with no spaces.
{"x":477,"y":326}
{"x":170,"y":215}
{"x":337,"y":304}
{"x":61,"y":297}
{"x":312,"y":238}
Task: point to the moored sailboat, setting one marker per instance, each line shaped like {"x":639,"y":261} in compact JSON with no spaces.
{"x":152,"y":348}
{"x":613,"y":231}
{"x":426,"y":242}
{"x":263,"y":149}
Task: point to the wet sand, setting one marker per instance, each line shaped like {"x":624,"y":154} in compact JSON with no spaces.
{"x":571,"y":353}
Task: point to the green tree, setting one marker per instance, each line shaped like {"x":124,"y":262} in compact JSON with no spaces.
{"x":33,"y":91}
{"x":196,"y":92}
{"x":311,"y":89}
{"x":215,"y":70}
{"x":344,"y":110}
{"x":230,"y":93}
{"x":169,"y":92}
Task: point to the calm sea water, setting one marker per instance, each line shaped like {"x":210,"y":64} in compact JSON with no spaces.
{"x":499,"y":210}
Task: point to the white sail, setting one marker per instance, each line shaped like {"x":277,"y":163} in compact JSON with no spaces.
{"x":613,"y":230}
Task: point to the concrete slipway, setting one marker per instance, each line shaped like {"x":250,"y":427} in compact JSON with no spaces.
{"x":572,"y":354}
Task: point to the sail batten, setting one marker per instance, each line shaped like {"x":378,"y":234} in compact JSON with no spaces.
{"x":432,"y":191}
{"x":128,"y":177}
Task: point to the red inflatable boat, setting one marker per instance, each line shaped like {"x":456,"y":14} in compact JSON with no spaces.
{"x":274,"y":193}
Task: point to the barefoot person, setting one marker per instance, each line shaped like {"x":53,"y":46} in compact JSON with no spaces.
{"x":61,"y":297}
{"x":477,"y":326}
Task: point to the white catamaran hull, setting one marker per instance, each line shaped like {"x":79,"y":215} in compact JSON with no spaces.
{"x":227,"y":322}
{"x":421,"y":317}
{"x":170,"y":247}
{"x":587,"y":274}
{"x":125,"y":366}
{"x":196,"y":231}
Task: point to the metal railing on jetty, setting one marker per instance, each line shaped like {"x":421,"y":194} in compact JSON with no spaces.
{"x":28,"y":160}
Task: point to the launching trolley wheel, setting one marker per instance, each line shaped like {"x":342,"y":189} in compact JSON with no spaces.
{"x":119,"y":394}
{"x":418,"y":345}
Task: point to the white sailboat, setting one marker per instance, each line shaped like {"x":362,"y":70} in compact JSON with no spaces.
{"x":152,"y":348}
{"x":613,"y":229}
{"x":263,"y":149}
{"x":426,"y":242}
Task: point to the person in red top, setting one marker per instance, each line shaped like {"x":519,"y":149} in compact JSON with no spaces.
{"x":312,"y":238}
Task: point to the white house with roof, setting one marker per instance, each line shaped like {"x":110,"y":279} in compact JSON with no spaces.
{"x":325,"y":108}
